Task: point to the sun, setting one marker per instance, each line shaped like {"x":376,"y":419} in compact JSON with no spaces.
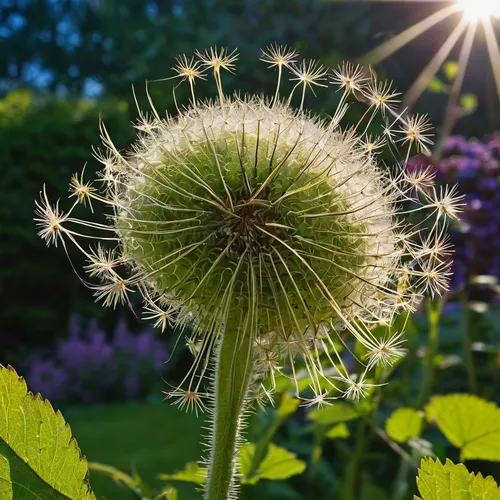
{"x":480,"y":9}
{"x":473,"y":16}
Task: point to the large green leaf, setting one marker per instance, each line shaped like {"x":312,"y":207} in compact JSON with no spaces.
{"x":453,"y":482}
{"x":404,"y":424}
{"x":278,"y":464}
{"x":38,"y":457}
{"x":469,"y":423}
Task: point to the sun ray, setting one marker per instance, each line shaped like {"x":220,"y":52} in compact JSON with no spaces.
{"x":493,"y":51}
{"x":420,"y":84}
{"x":473,"y":12}
{"x":388,"y":48}
{"x":463,"y":61}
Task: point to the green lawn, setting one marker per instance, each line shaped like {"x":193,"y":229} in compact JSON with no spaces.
{"x":145,"y":438}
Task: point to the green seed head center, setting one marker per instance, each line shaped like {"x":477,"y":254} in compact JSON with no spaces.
{"x":243,"y":228}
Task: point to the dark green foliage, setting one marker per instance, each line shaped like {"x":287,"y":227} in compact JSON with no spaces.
{"x":42,"y":141}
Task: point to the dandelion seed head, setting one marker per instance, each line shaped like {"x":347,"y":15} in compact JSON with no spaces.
{"x":248,"y":216}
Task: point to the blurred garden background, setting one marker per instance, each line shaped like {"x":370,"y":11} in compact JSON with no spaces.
{"x":66,"y":64}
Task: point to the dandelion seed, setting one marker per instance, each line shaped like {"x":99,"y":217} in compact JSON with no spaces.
{"x":102,"y":262}
{"x":381,"y":95}
{"x":372,"y":145}
{"x":188,"y":69}
{"x":189,"y":401}
{"x":387,"y":351}
{"x":263,"y":397}
{"x":81,"y":190}
{"x":308,"y":74}
{"x":217,"y":60}
{"x":437,"y":247}
{"x":162,"y":317}
{"x":350,"y":77}
{"x":320,"y":400}
{"x":112,"y":293}
{"x":435,"y":278}
{"x":417,"y":130}
{"x":357,"y":387}
{"x":448,"y":203}
{"x":49,"y":220}
{"x":280,"y":56}
{"x":421,"y":179}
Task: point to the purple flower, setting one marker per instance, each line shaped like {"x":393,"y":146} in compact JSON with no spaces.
{"x":474,"y":165}
{"x":89,"y":366}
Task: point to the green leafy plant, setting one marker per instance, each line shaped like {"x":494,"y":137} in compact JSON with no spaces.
{"x":39,"y":457}
{"x":404,"y":424}
{"x":469,"y":423}
{"x":449,"y":481}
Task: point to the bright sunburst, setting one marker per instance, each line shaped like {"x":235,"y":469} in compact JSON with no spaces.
{"x":480,"y":9}
{"x":475,"y":14}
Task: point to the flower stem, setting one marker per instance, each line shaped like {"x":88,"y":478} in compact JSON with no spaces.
{"x":353,"y":480}
{"x":434,"y":309}
{"x":232,"y":376}
{"x":467,"y":343}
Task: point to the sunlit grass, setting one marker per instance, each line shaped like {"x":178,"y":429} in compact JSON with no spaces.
{"x":148,"y":439}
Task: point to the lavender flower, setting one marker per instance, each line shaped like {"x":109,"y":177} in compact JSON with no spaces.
{"x":88,"y":366}
{"x":475,"y":166}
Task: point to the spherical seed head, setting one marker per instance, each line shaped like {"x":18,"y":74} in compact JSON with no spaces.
{"x":243,"y":216}
{"x":268,"y":208}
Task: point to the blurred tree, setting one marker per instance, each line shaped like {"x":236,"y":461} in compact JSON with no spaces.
{"x":92,"y":46}
{"x":42,"y":142}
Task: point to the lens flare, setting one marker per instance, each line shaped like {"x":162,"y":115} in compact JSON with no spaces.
{"x":473,"y":15}
{"x":479,"y":9}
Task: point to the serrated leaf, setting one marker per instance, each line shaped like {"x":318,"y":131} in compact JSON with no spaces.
{"x":404,"y":424}
{"x":192,"y":473}
{"x":469,"y":423}
{"x":450,"y":69}
{"x":453,"y":482}
{"x":339,"y":431}
{"x":39,"y":459}
{"x":278,"y":464}
{"x":334,"y":414}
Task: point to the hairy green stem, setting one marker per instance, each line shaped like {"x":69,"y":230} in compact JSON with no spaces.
{"x":232,"y":376}
{"x":434,"y":309}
